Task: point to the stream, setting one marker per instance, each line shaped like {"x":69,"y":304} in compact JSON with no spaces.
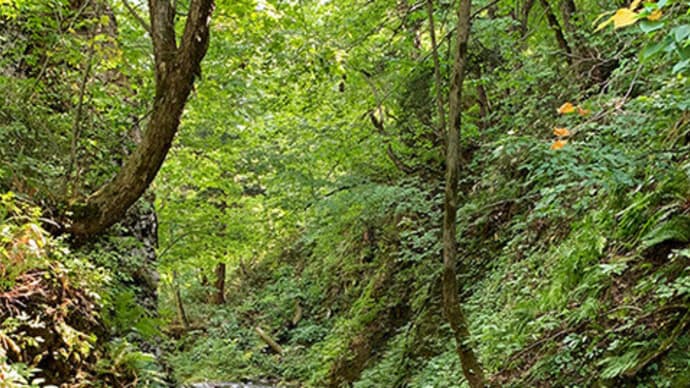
{"x":211,"y":384}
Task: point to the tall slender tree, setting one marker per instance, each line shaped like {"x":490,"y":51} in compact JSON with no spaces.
{"x":451,"y":303}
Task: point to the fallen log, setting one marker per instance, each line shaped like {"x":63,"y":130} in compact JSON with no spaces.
{"x":268,"y":340}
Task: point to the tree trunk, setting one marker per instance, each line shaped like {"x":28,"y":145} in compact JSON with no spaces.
{"x":175,"y":71}
{"x":181,"y":313}
{"x":568,"y":9}
{"x":451,"y":303}
{"x":524,"y":17}
{"x":219,"y":285}
{"x":557,"y":30}
{"x":484,"y":107}
{"x":483,"y":102}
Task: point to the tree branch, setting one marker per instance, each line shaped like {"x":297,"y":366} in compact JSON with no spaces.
{"x":76,"y":126}
{"x":175,"y":73}
{"x":162,"y":17}
{"x":136,"y":16}
{"x":557,"y":30}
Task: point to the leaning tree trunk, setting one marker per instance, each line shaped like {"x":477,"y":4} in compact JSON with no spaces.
{"x":175,"y":71}
{"x":557,"y":31}
{"x":451,"y":303}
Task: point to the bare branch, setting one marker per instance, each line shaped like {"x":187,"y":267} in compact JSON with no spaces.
{"x":136,"y":16}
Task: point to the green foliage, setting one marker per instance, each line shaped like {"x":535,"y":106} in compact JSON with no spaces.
{"x":22,"y":241}
{"x":66,"y":109}
{"x":125,"y":362}
{"x":675,"y":229}
{"x":552,"y":239}
{"x":37,"y":268}
{"x":669,"y":35}
{"x":309,"y":162}
{"x":124,"y":315}
{"x":17,"y":375}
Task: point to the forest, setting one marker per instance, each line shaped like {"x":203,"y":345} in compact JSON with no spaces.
{"x":344,"y":193}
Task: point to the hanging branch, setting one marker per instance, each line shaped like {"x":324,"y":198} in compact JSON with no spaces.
{"x":437,"y":74}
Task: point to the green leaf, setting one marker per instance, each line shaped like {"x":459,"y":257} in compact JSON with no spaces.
{"x":681,"y":32}
{"x":680,"y":66}
{"x":676,"y":229}
{"x":684,"y":52}
{"x":651,"y":50}
{"x":648,"y":26}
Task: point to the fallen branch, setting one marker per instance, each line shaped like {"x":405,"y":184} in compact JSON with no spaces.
{"x":538,"y":343}
{"x":269,"y":341}
{"x":179,"y":330}
{"x":665,"y":347}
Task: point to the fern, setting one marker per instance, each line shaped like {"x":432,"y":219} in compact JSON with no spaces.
{"x":615,"y":366}
{"x":676,"y":229}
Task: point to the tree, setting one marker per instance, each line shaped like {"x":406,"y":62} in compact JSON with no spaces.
{"x":176,"y":67}
{"x":557,"y":30}
{"x":451,"y":305}
{"x":218,"y":296}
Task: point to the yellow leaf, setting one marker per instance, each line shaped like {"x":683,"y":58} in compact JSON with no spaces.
{"x":624,"y":17}
{"x":604,"y":24}
{"x":655,"y":15}
{"x":558,"y":144}
{"x":566,"y":108}
{"x":634,"y":4}
{"x":561,"y":132}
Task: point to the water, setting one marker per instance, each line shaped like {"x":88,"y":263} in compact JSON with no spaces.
{"x":211,"y":384}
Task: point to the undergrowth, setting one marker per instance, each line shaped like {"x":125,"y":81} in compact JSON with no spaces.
{"x":576,"y":264}
{"x":64,"y":319}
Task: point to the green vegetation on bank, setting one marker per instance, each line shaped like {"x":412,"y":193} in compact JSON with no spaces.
{"x":294,"y":233}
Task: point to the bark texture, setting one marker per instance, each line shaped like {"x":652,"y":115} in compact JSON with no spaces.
{"x":218,"y":296}
{"x":175,"y":70}
{"x":451,"y":303}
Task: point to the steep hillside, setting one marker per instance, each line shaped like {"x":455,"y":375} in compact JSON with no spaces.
{"x":573,"y":222}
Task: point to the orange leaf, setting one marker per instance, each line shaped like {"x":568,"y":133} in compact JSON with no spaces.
{"x":566,"y":108}
{"x":655,"y":15}
{"x":583,"y":112}
{"x":561,"y":132}
{"x":558,"y":144}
